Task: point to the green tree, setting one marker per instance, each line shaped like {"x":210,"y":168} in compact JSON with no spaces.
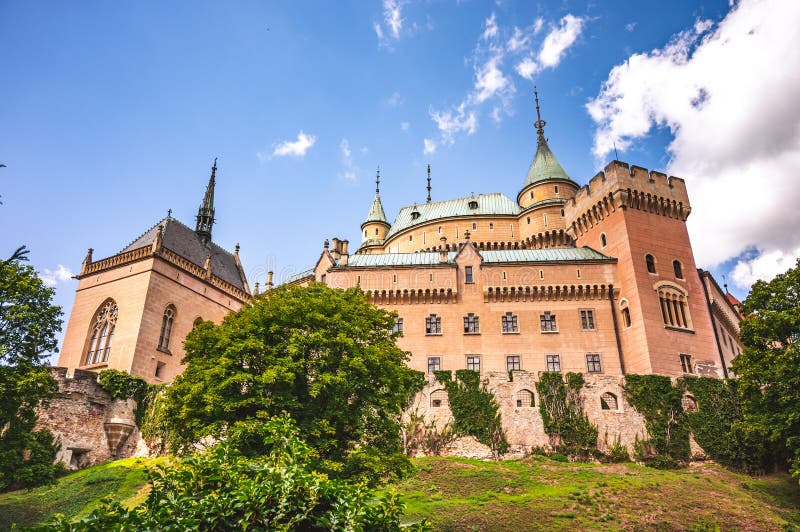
{"x":326,"y":357}
{"x":28,"y":326}
{"x":769,"y":367}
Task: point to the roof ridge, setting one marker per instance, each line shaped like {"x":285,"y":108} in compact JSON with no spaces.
{"x":144,"y":233}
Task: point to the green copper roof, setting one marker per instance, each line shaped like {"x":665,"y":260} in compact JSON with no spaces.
{"x":383,"y":260}
{"x":484,"y":204}
{"x":545,"y":165}
{"x":376,"y":213}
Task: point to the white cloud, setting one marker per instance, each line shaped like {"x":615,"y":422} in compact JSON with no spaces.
{"x":527,"y":68}
{"x":394,"y":100}
{"x":560,"y":39}
{"x":344,"y":145}
{"x":728,"y":94}
{"x":392,"y":22}
{"x":52,"y":278}
{"x":490,"y":81}
{"x":455,"y":121}
{"x":296,"y":148}
{"x":490,"y":28}
{"x":350,"y":171}
{"x":348,"y":175}
{"x":495,"y":115}
{"x":518,"y":41}
{"x":429,"y":146}
{"x":630,"y":26}
{"x":404,"y":126}
{"x":538,"y":24}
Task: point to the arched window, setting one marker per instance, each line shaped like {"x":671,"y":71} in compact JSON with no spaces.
{"x":674,"y":305}
{"x":603,"y":240}
{"x":102,"y":333}
{"x":197,"y":322}
{"x":166,"y":328}
{"x":439,"y":399}
{"x":524,"y":399}
{"x":676,"y":266}
{"x":608,"y":401}
{"x":626,"y":313}
{"x":651,"y":263}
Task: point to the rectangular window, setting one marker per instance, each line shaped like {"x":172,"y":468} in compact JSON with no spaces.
{"x":593,"y":363}
{"x":160,"y":370}
{"x":548,"y":322}
{"x":553,"y":362}
{"x":510,"y":324}
{"x":587,"y":320}
{"x":468,"y":274}
{"x":434,"y":364}
{"x":398,"y":326}
{"x":433,"y":324}
{"x":324,"y":278}
{"x":686,"y":363}
{"x":474,"y":363}
{"x":513,"y":363}
{"x":471,"y":324}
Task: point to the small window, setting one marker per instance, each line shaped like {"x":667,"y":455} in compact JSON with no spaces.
{"x":324,"y":278}
{"x":491,"y":226}
{"x":473,"y":204}
{"x":430,"y":277}
{"x":358,"y":280}
{"x":626,"y":317}
{"x":440,"y":229}
{"x":471,"y":325}
{"x":676,"y":267}
{"x":579,"y":273}
{"x":531,"y":194}
{"x":686,"y":363}
{"x":562,"y":213}
{"x":529,"y":220}
{"x":415,"y":215}
{"x":513,"y":363}
{"x":689,"y":403}
{"x":555,"y":189}
{"x":510,"y":323}
{"x":548,"y":322}
{"x":365,"y":233}
{"x":434,"y":364}
{"x":474,"y":363}
{"x":376,"y":230}
{"x":524,"y":399}
{"x":433,"y":324}
{"x":608,"y":401}
{"x":468,"y":274}
{"x":394,"y":278}
{"x":474,"y":226}
{"x":587,"y":320}
{"x":439,"y":399}
{"x":166,"y":328}
{"x":160,"y":370}
{"x":553,"y":362}
{"x":603,"y":240}
{"x":545,"y":220}
{"x":398,"y":326}
{"x":593,"y":363}
{"x":410,"y":238}
{"x":504,"y":276}
{"x":651,"y":263}
{"x":541,"y":274}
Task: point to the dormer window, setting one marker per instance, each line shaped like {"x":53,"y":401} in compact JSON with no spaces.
{"x":414,"y":215}
{"x":473,"y":204}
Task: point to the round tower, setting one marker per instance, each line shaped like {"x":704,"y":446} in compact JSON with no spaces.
{"x":375,"y":227}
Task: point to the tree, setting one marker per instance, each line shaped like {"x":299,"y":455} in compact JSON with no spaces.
{"x":326,"y":357}
{"x":28,"y":327}
{"x":769,"y":366}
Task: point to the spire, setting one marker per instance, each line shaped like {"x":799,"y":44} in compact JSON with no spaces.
{"x":376,"y":213}
{"x":378,"y":182}
{"x":545,"y":165}
{"x":205,"y":214}
{"x":429,"y":183}
{"x":539,"y":124}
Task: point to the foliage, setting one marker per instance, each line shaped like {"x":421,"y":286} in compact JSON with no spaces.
{"x":327,"y":357}
{"x":28,"y":326}
{"x":233,"y":487}
{"x":564,"y":421}
{"x":154,"y":426}
{"x":654,"y":397}
{"x":617,"y":453}
{"x":123,"y":385}
{"x":427,"y":436}
{"x":475,"y":410}
{"x":768,"y":369}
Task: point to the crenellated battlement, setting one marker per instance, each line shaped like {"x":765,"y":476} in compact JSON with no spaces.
{"x":623,"y":186}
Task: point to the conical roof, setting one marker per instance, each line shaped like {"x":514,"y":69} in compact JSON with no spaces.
{"x":376,"y":213}
{"x":545,"y":165}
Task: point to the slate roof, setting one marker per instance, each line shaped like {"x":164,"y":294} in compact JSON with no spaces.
{"x":388,"y":260}
{"x":182,"y":240}
{"x":299,"y":276}
{"x":545,"y":166}
{"x":376,"y":213}
{"x":488,"y":204}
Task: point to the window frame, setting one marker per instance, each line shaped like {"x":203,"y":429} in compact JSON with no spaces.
{"x":469,"y":277}
{"x":433,"y":325}
{"x":587,"y":321}
{"x":472,"y":324}
{"x":548,"y":323}
{"x":474,"y":361}
{"x":650,"y":264}
{"x":687,"y":364}
{"x":435,"y":361}
{"x":167,"y":323}
{"x":509,"y":323}
{"x":553,"y":362}
{"x":513,"y":363}
{"x":595,"y":365}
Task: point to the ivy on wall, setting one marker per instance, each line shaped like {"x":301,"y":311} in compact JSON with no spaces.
{"x":122,"y":385}
{"x":561,"y":406}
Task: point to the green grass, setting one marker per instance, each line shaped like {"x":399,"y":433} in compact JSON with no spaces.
{"x":77,"y":494}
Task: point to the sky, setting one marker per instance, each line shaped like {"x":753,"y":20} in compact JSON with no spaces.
{"x":113,"y":112}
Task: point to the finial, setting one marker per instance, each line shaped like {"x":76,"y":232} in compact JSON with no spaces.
{"x":169,"y":213}
{"x":429,"y":183}
{"x":726,"y":284}
{"x":255,"y":292}
{"x":467,"y":234}
{"x":326,"y":244}
{"x":236,"y":249}
{"x":539,"y":124}
{"x":378,"y":181}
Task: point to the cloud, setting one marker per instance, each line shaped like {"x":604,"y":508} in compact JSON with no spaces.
{"x":538,"y":24}
{"x":350,"y":171}
{"x":395,"y":99}
{"x":404,"y":126}
{"x":455,"y":121}
{"x":496,"y":115}
{"x":490,"y":28}
{"x":490,"y":81}
{"x":296,"y":148}
{"x":344,"y":145}
{"x":392,"y":23}
{"x":527,"y":68}
{"x":429,"y":146}
{"x":51,"y":278}
{"x":518,"y":41}
{"x":630,"y":26}
{"x":728,"y":94}
{"x":559,"y":40}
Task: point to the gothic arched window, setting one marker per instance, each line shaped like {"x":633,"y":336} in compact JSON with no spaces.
{"x":674,"y":305}
{"x":102,"y":333}
{"x":676,"y":266}
{"x":651,"y":263}
{"x":166,"y":328}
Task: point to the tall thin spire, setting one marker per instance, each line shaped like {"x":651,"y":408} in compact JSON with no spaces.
{"x":539,"y":122}
{"x":378,"y":182}
{"x":205,"y":214}
{"x":429,"y":183}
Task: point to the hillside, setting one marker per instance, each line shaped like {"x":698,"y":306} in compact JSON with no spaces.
{"x":536,"y":493}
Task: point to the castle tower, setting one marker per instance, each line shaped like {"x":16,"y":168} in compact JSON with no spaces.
{"x":375,"y":227}
{"x":639,"y":217}
{"x":133,"y":310}
{"x":542,"y":198}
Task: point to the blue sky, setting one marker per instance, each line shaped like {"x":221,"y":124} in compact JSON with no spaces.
{"x":112,"y":113}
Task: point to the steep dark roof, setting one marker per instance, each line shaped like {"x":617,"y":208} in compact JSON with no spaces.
{"x":185,"y":242}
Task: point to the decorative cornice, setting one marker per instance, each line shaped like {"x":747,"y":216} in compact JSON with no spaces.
{"x":499,"y":294}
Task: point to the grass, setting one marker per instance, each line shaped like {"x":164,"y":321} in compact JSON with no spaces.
{"x":77,"y":494}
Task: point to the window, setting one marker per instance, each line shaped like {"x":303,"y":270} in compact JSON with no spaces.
{"x":651,"y":263}
{"x":544,"y":217}
{"x":510,"y":323}
{"x":553,"y":362}
{"x":376,"y":230}
{"x":513,"y":363}
{"x":415,"y":215}
{"x":410,"y":238}
{"x":531,"y":194}
{"x":603,"y":240}
{"x":440,"y":229}
{"x":394,"y":278}
{"x":548,"y":322}
{"x":473,"y":204}
{"x":541,"y":274}
{"x":166,"y":328}
{"x":562,"y":213}
{"x":102,"y":333}
{"x":676,"y":267}
{"x":467,"y":274}
{"x":474,"y":363}
{"x":524,"y":399}
{"x":674,"y":310}
{"x":555,"y":189}
{"x":626,"y":317}
{"x":587,"y":320}
{"x":686,"y":363}
{"x":438,"y":399}
{"x":491,"y":226}
{"x":608,"y":401}
{"x":324,"y":278}
{"x":593,"y":363}
{"x":474,"y":226}
{"x":197,"y":323}
{"x":159,"y":370}
{"x":471,"y":325}
{"x":430,"y":277}
{"x":529,"y":220}
{"x":504,"y":276}
{"x":434,"y":364}
{"x":398,"y":326}
{"x":579,"y":274}
{"x":689,"y":403}
{"x":433,"y":324}
{"x":365,"y":233}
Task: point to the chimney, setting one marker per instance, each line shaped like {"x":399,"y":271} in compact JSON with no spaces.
{"x":344,"y":258}
{"x":443,"y":249}
{"x":336,"y":249}
{"x":270,"y":284}
{"x":255,"y":292}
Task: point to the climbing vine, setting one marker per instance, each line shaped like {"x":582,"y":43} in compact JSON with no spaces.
{"x":475,"y":409}
{"x":123,"y":385}
{"x":561,"y":407}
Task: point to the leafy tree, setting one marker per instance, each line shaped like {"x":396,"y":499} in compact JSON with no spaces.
{"x":326,"y":357}
{"x":28,"y":327}
{"x":231,"y":487}
{"x":769,"y":367}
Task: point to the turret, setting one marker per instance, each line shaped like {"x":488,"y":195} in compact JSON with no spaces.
{"x":205,"y":214}
{"x":375,"y":227}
